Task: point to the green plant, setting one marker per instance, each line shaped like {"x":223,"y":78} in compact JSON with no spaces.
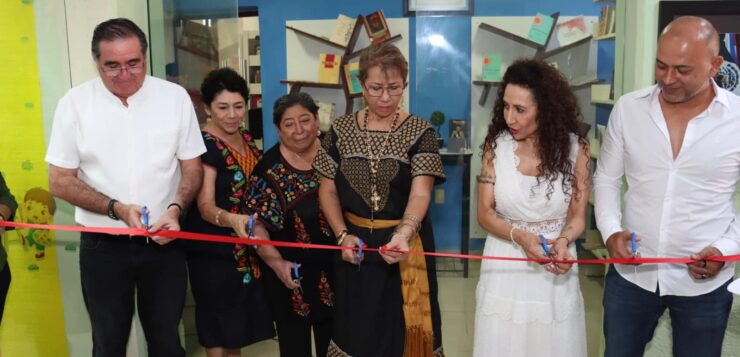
{"x":437,"y":119}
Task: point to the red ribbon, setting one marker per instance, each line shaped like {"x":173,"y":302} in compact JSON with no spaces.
{"x":234,"y":240}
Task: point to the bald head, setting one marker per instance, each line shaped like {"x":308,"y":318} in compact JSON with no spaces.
{"x":695,"y":30}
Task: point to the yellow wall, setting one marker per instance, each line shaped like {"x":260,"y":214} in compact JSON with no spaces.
{"x":33,"y":324}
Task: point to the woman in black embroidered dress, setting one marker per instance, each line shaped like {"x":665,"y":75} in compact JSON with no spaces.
{"x":284,"y":194}
{"x":229,"y":312}
{"x":378,"y":167}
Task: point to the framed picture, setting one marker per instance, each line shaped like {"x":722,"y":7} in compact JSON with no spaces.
{"x":437,"y":7}
{"x":725,"y":16}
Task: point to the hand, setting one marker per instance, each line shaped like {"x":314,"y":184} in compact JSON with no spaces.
{"x":705,"y":269}
{"x":283,"y":269}
{"x":169,"y":221}
{"x":531,"y":245}
{"x":129,"y":214}
{"x":350,"y":256}
{"x":559,"y":252}
{"x":399,"y":243}
{"x":239,"y":222}
{"x":619,"y":245}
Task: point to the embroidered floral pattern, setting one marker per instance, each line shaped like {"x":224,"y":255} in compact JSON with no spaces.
{"x":324,"y":226}
{"x":301,"y":236}
{"x":239,"y":166}
{"x":290,"y":186}
{"x":325,"y":291}
{"x":300,"y":307}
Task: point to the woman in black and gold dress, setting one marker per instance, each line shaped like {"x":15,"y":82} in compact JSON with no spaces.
{"x":284,"y":193}
{"x":378,"y":167}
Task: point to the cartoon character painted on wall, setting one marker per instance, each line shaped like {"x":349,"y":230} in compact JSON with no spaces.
{"x":38,"y":208}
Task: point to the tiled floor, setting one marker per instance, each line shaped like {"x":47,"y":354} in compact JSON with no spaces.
{"x":457,"y":301}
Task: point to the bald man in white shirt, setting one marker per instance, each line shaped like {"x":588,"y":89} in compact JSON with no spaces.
{"x":677,"y":143}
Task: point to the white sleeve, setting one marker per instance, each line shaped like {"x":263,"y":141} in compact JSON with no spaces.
{"x":62,"y":150}
{"x":729,"y":244}
{"x":191,"y":143}
{"x":608,"y":178}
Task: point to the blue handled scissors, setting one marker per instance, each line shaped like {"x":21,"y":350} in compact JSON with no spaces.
{"x":250,"y":227}
{"x":543,"y":242}
{"x":145,"y":217}
{"x":358,"y":259}
{"x":297,"y":279}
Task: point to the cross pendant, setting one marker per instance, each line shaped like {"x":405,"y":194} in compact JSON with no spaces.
{"x":375,"y":198}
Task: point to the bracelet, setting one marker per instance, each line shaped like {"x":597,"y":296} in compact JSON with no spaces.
{"x":176,"y":205}
{"x":563,"y":237}
{"x":218,"y":215}
{"x":511,"y":236}
{"x":340,"y":238}
{"x":111,"y":212}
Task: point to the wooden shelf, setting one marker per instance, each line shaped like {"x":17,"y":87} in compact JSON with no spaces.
{"x":603,"y":101}
{"x":323,"y":40}
{"x":610,"y":36}
{"x":560,"y":49}
{"x":582,"y":82}
{"x":486,"y":89}
{"x":359,"y":52}
{"x":512,"y":36}
{"x":295,"y":86}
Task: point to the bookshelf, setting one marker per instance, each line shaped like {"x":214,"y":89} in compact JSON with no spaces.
{"x":321,"y":44}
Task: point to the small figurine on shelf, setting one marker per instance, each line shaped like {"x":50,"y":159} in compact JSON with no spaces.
{"x":437,"y":119}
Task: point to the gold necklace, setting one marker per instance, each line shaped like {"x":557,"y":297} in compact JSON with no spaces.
{"x":374,"y":161}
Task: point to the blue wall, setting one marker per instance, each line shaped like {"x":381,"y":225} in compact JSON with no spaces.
{"x":439,"y":78}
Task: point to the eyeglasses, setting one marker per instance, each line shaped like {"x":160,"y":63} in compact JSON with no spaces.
{"x":115,"y":71}
{"x":393,"y":91}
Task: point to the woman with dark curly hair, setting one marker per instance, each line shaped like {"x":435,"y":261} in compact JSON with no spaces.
{"x":533,"y":186}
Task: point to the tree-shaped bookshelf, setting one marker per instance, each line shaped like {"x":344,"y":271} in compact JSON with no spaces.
{"x":541,"y":53}
{"x":349,"y":53}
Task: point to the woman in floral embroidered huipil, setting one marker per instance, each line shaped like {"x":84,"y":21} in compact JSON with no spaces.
{"x":230,"y":308}
{"x":284,"y":194}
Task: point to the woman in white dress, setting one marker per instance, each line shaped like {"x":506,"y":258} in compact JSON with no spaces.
{"x":534,"y":181}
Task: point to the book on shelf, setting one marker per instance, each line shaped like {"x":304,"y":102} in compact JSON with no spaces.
{"x":329,"y":68}
{"x":342,"y":30}
{"x":492,"y":67}
{"x":611,"y":21}
{"x":352,"y":80}
{"x":377,"y":27}
{"x":571,"y":31}
{"x":607,"y":20}
{"x":326,"y":114}
{"x":541,"y":27}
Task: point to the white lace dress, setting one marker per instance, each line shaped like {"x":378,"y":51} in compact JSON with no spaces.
{"x":522,"y":309}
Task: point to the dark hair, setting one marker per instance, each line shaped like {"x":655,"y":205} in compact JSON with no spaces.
{"x":113,"y":29}
{"x":558,"y":116}
{"x":222,"y":79}
{"x":289,"y":100}
{"x":384,"y":55}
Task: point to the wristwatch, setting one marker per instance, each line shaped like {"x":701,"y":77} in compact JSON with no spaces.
{"x":111,"y":212}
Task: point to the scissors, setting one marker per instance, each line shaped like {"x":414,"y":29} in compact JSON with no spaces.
{"x":297,"y":277}
{"x":250,"y":227}
{"x":358,"y":259}
{"x":634,"y":245}
{"x":543,"y":243}
{"x":145,"y":217}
